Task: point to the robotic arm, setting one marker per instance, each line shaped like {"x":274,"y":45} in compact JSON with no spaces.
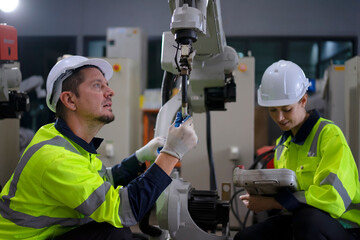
{"x":196,"y":53}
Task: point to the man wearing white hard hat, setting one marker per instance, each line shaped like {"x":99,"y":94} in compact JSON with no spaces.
{"x":60,"y":188}
{"x":326,"y":205}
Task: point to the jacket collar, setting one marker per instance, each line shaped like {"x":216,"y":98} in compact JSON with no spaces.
{"x":64,"y":129}
{"x":304,"y":130}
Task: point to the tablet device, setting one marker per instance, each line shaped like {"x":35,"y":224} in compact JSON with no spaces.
{"x":265,"y":181}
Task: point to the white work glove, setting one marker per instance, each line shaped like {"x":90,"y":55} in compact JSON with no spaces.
{"x":181,"y":137}
{"x":150,"y":151}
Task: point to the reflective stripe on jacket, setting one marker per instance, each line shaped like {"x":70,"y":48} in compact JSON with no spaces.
{"x":326,"y":171}
{"x":57,"y":186}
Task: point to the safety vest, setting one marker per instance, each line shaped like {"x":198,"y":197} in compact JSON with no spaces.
{"x":57,"y":186}
{"x":326,"y":171}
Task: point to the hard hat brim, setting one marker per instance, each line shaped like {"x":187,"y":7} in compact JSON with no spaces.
{"x":105,"y":67}
{"x":277,"y":103}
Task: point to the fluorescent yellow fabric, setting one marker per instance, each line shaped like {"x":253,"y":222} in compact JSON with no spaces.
{"x":328,"y":177}
{"x":60,"y":183}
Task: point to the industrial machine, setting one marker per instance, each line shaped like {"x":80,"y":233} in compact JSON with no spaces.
{"x":127,"y":138}
{"x":232,"y":143}
{"x":130,"y":43}
{"x":351,"y":106}
{"x":128,"y":82}
{"x":12,"y":102}
{"x":195,"y":57}
{"x":339,"y":93}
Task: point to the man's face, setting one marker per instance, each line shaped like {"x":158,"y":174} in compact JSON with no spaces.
{"x":94,"y":101}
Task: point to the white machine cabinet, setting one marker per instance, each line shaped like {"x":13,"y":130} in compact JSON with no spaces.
{"x":352,"y":104}
{"x":9,"y":148}
{"x":129,"y":42}
{"x":122,"y":137}
{"x":336,"y":74}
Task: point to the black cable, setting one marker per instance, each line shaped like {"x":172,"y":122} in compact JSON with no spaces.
{"x":260,"y":157}
{"x":148,"y":229}
{"x":213,"y":184}
{"x":175,"y":59}
{"x":267,"y":160}
{"x":184,"y":90}
{"x":266,"y":157}
{"x":246,"y":218}
{"x":236,"y":215}
{"x":166,"y":87}
{"x":235,"y":212}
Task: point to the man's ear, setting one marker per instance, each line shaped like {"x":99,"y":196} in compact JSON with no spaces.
{"x":67,"y":98}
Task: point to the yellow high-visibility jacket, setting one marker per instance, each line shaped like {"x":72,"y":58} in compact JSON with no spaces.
{"x":57,"y":186}
{"x":325,"y":169}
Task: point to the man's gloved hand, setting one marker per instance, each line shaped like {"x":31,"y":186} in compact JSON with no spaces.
{"x":150,"y":151}
{"x":181,"y":137}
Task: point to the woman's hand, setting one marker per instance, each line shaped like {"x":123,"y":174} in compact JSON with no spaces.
{"x":258,"y":203}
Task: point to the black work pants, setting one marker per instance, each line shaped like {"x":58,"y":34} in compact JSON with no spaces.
{"x":305,"y":223}
{"x":97,"y":231}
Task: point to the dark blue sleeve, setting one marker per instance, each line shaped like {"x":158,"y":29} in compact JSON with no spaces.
{"x":286,"y":198}
{"x":145,"y":190}
{"x":127,"y":170}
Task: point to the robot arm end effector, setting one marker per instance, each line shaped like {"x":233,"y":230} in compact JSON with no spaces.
{"x":184,"y":39}
{"x":197,"y":29}
{"x":187,"y":22}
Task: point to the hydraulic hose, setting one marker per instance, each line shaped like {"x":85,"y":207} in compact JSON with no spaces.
{"x":184,"y":103}
{"x":213,"y":184}
{"x":166,"y":87}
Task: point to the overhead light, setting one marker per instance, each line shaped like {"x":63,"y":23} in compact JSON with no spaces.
{"x":8,"y":5}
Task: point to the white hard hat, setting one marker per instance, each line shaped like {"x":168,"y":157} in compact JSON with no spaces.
{"x":283,"y":83}
{"x":62,"y":70}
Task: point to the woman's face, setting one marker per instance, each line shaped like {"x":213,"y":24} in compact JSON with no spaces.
{"x":289,"y":117}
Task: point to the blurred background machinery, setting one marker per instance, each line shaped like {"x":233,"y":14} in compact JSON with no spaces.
{"x":122,"y":137}
{"x":337,"y":96}
{"x":352,"y":106}
{"x":12,"y":102}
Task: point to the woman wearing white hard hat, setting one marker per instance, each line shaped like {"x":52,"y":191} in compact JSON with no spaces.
{"x":326,"y":205}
